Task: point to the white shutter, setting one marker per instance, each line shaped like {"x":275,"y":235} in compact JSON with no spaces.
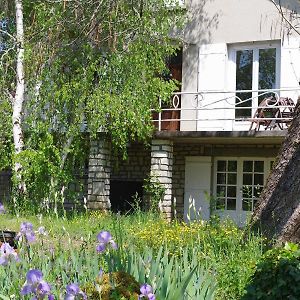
{"x":212,"y":77}
{"x":197,"y":188}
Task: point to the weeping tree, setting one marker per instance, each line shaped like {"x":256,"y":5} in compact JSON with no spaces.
{"x":74,"y":67}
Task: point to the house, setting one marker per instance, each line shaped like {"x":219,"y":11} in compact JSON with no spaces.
{"x":215,"y":144}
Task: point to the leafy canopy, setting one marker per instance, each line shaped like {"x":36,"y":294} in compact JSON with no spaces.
{"x":90,"y":66}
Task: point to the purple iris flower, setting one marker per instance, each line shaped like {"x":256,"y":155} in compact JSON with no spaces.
{"x":104,"y":238}
{"x":2,"y":209}
{"x":146,"y":292}
{"x":74,"y":292}
{"x":36,"y":285}
{"x":43,"y":289}
{"x":7,"y":253}
{"x":27,"y":232}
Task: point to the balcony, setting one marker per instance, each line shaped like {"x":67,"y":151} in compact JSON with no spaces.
{"x":241,"y":110}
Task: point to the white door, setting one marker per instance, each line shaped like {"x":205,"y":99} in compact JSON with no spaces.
{"x":238,"y":184}
{"x":197,"y":188}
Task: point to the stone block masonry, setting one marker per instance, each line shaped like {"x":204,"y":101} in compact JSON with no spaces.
{"x":99,"y":170}
{"x":161,"y":168}
{"x":135,"y":168}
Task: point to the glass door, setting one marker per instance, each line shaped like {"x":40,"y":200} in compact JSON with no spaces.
{"x":238,"y":184}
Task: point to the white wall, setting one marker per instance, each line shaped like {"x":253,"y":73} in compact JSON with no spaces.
{"x":233,"y":21}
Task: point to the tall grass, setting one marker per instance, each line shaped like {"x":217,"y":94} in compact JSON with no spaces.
{"x":218,"y":251}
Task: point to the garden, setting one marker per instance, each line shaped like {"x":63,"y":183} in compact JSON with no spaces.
{"x":74,"y":73}
{"x":96,"y":255}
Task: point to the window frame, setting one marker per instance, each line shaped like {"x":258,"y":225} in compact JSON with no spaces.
{"x":255,"y":46}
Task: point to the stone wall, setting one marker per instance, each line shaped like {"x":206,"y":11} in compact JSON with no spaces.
{"x":135,"y":168}
{"x":99,"y":169}
{"x":161,"y":168}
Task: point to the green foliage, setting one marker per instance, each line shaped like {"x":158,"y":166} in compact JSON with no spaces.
{"x":90,"y":66}
{"x":116,"y":285}
{"x":155,"y":191}
{"x":277,"y":275}
{"x":222,"y":247}
{"x":172,"y":277}
{"x":224,"y":256}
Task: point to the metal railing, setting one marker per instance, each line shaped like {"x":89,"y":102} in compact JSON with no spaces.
{"x":229,"y":110}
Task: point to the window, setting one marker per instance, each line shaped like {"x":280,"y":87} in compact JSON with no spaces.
{"x":256,"y":67}
{"x":238,"y":184}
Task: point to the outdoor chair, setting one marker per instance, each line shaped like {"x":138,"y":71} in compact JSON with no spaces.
{"x":273,"y":113}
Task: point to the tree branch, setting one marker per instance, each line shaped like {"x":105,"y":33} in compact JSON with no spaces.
{"x":279,"y":8}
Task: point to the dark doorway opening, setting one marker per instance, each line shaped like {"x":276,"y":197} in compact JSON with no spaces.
{"x":125,"y":195}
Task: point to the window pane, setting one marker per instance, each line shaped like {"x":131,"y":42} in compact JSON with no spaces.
{"x":259,"y":166}
{"x":232,"y":166}
{"x":231,"y":178}
{"x":231,"y":204}
{"x":247,"y":179}
{"x":221,"y":190}
{"x":244,"y":62}
{"x":267,"y":70}
{"x":258,"y":179}
{"x":248,"y":166}
{"x":247,"y":191}
{"x":221,"y":165}
{"x":221,"y":178}
{"x":231,"y":191}
{"x":257,"y":191}
{"x":220,"y":203}
{"x":247,"y":204}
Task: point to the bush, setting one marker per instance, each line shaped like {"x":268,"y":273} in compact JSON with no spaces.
{"x":277,"y":275}
{"x":117,"y":285}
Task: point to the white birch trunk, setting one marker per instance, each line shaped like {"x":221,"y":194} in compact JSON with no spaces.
{"x":20,"y":91}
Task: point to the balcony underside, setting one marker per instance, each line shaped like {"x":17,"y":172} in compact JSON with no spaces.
{"x":224,"y":137}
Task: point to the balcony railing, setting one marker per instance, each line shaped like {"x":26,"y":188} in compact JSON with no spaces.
{"x":227,"y":110}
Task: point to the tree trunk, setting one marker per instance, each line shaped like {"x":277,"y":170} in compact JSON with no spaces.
{"x":19,"y":96}
{"x":278,"y":211}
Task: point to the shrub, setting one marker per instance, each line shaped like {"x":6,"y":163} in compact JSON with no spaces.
{"x":117,"y":285}
{"x":277,"y":275}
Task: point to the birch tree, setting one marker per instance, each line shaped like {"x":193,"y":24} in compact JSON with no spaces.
{"x":18,"y":99}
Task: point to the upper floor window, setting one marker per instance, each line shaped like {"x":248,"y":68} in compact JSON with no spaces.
{"x":256,"y":67}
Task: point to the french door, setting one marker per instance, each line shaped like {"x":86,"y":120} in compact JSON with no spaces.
{"x":253,"y":67}
{"x":238,"y":183}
